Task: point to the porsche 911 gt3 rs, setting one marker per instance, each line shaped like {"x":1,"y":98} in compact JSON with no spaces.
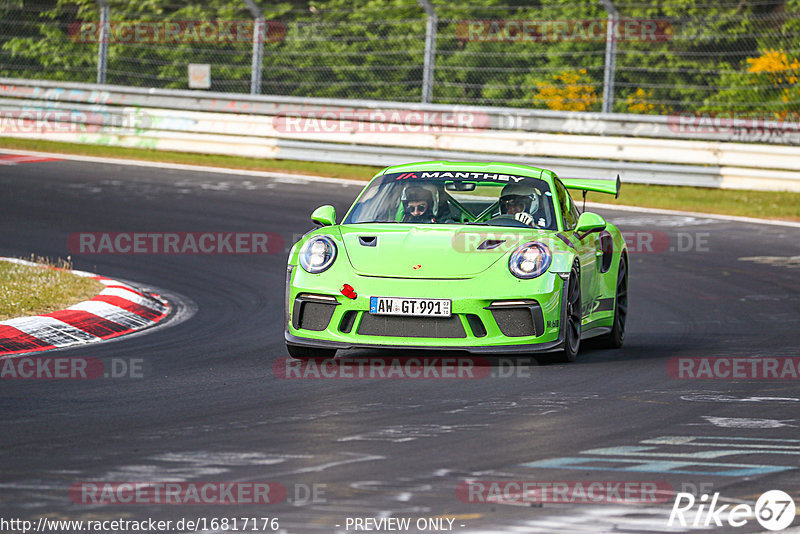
{"x":488,"y":258}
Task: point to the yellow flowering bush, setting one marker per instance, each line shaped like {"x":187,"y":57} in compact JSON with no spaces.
{"x":774,"y":67}
{"x":640,"y":101}
{"x":570,"y":90}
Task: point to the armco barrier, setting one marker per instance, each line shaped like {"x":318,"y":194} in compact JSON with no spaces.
{"x":643,"y":149}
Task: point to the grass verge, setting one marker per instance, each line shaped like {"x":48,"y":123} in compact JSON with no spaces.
{"x":334,"y":170}
{"x":32,"y":290}
{"x":761,"y":204}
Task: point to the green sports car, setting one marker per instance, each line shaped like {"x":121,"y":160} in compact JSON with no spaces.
{"x":489,"y":258}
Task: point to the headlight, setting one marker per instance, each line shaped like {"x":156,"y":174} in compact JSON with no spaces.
{"x":318,"y":254}
{"x":530,"y":260}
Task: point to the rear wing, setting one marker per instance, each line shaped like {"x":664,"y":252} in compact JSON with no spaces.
{"x":599,"y":185}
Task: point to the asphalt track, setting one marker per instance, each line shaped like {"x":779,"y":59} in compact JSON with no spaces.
{"x":209,"y":408}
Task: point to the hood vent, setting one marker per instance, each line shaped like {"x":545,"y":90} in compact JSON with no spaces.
{"x":368,"y":240}
{"x":490,"y":244}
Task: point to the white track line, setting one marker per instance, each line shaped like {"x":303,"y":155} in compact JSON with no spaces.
{"x":311,"y":178}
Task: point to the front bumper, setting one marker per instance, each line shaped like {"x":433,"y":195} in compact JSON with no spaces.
{"x":552,"y":346}
{"x":490,"y":313}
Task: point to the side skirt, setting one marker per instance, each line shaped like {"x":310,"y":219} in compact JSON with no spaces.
{"x":589,"y":333}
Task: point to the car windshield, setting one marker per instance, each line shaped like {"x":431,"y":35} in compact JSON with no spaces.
{"x":456,"y":197}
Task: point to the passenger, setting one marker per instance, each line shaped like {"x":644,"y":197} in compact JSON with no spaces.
{"x":521,"y":201}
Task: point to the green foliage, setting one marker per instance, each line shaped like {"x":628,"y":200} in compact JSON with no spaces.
{"x":700,"y":59}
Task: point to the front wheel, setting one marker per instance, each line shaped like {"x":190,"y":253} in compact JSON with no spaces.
{"x":572,"y":328}
{"x":309,"y":353}
{"x":615,"y":338}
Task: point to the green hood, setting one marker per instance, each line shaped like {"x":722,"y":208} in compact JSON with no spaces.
{"x":446,"y":251}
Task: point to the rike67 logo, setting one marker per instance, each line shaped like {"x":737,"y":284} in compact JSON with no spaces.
{"x":774,"y":510}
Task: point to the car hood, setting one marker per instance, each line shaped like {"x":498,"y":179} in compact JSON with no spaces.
{"x":425,"y":251}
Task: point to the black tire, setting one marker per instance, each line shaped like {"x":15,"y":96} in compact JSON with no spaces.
{"x":615,"y":338}
{"x":309,"y":353}
{"x":572,"y":326}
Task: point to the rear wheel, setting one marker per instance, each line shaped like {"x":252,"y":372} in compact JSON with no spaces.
{"x":572,"y":328}
{"x":615,"y":338}
{"x":309,"y":353}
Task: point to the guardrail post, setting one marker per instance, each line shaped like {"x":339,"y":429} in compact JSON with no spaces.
{"x":102,"y":45}
{"x":611,"y":56}
{"x":259,"y":34}
{"x":430,"y":50}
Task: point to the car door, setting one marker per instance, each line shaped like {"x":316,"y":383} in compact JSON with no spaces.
{"x":587,"y":249}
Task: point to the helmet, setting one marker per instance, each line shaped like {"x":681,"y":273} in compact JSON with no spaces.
{"x":420,"y":193}
{"x":519,"y":197}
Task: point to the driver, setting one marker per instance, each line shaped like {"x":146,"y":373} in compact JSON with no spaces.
{"x":521,"y":201}
{"x":420,"y":203}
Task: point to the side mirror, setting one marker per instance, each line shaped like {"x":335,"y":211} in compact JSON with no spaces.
{"x":324,"y":216}
{"x":589,"y":223}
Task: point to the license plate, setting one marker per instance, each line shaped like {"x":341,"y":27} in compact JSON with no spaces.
{"x":409,"y":306}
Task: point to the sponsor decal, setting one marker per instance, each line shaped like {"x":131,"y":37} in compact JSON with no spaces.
{"x":478,"y":176}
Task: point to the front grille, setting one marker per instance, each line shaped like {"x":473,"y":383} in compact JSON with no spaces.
{"x":286,"y":301}
{"x":433,"y":327}
{"x":475,"y":323}
{"x":519,"y":321}
{"x":348,"y":319}
{"x":310,"y":315}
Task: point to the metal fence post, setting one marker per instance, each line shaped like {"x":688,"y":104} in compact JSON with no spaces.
{"x":430,"y":50}
{"x":611,"y":56}
{"x":259,"y":34}
{"x":102,"y":45}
